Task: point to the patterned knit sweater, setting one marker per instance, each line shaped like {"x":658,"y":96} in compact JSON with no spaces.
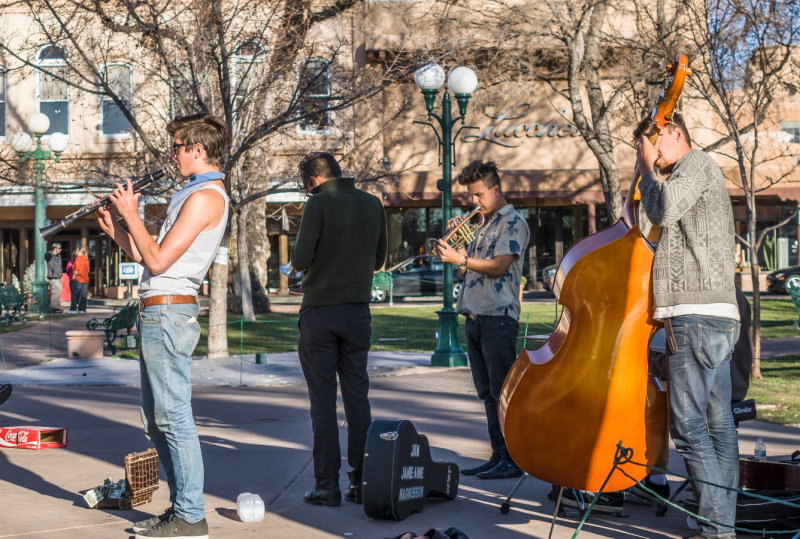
{"x":694,"y":261}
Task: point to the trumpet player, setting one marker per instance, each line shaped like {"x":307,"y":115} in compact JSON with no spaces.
{"x":492,"y":267}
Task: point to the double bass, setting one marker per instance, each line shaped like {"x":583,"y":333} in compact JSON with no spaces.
{"x":564,"y":407}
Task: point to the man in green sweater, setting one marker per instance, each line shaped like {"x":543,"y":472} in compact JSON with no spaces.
{"x":341,"y":242}
{"x":683,"y":191}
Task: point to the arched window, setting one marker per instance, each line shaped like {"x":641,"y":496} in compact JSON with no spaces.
{"x":314,"y":87}
{"x":2,"y":101}
{"x":119,"y":78}
{"x":245,"y":74}
{"x":54,"y":88}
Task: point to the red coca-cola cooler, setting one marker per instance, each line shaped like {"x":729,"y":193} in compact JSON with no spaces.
{"x":33,"y":437}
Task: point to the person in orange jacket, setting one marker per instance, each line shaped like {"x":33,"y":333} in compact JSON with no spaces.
{"x":79,"y":284}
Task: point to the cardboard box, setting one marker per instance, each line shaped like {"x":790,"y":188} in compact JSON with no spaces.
{"x":33,"y":437}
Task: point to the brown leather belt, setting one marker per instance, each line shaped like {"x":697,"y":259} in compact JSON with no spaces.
{"x":166,"y":300}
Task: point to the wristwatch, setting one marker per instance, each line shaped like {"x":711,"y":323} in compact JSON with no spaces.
{"x":463,"y":265}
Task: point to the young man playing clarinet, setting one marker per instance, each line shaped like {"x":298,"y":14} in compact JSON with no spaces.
{"x":175,"y":265}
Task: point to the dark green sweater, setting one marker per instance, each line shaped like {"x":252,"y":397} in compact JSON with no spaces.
{"x":341,"y":242}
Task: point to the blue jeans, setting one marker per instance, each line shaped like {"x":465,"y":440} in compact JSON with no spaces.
{"x":78,"y":292}
{"x":169,"y":335}
{"x":701,"y":420}
{"x":491,"y":347}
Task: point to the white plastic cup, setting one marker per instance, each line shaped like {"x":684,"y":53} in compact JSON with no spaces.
{"x":250,"y":507}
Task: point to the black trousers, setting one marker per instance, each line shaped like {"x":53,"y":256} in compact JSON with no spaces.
{"x":491,"y":347}
{"x":334,"y":340}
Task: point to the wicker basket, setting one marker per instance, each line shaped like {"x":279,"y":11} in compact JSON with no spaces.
{"x":141,"y":476}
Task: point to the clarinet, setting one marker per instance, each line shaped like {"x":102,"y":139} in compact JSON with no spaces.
{"x":138,"y":184}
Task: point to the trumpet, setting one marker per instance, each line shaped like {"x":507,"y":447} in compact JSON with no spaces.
{"x":462,"y":234}
{"x":138,"y":184}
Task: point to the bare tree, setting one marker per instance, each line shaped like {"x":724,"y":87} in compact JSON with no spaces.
{"x":575,"y":48}
{"x":269,"y":68}
{"x":743,"y":54}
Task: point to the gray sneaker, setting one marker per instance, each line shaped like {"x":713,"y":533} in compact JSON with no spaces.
{"x":152,"y":521}
{"x":176,"y":528}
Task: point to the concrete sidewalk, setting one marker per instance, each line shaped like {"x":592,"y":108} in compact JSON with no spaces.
{"x":42,"y":340}
{"x":259,"y":439}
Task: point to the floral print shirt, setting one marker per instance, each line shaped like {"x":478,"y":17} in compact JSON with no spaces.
{"x":506,"y":233}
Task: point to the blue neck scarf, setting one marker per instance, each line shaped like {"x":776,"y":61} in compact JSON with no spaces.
{"x":195,"y":180}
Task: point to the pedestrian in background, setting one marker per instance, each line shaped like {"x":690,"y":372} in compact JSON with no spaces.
{"x":54,"y":271}
{"x":79,"y":281}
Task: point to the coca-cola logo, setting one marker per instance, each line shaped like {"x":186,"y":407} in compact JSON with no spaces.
{"x":18,"y":437}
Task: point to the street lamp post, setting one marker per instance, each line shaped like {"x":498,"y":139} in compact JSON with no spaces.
{"x":463,"y":82}
{"x":22,"y":143}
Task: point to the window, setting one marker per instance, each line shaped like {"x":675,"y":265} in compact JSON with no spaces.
{"x":119,"y":80}
{"x":314,"y":87}
{"x":188,"y":88}
{"x":245,"y":66}
{"x":54,"y":88}
{"x":2,"y":101}
{"x":792,"y":129}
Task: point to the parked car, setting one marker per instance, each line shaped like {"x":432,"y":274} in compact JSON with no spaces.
{"x":548,"y":275}
{"x":776,"y":281}
{"x":416,"y":276}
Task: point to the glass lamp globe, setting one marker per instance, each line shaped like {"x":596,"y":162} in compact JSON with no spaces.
{"x":58,"y":142}
{"x":429,"y":77}
{"x":39,"y":123}
{"x":21,"y":142}
{"x":462,"y":80}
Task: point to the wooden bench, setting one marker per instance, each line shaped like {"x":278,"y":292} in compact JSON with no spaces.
{"x":14,"y":305}
{"x":124,"y":319}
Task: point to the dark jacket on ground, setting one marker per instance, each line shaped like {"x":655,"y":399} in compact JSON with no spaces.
{"x":341,"y":242}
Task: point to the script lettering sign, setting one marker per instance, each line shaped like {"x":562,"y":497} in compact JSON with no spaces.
{"x":504,"y":131}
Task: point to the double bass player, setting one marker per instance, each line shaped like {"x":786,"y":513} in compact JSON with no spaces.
{"x":683,"y":191}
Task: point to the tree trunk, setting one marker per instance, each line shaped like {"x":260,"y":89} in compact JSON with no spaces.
{"x":218,"y":307}
{"x":753,"y":248}
{"x":243,"y":266}
{"x":258,"y":249}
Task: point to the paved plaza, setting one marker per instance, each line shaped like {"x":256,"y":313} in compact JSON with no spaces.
{"x":256,"y":437}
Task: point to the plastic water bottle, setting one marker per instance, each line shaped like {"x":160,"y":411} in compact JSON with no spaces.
{"x":760,"y":450}
{"x":250,"y":507}
{"x":289,"y":271}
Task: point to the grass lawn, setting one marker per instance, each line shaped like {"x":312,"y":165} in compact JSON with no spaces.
{"x":778,"y":394}
{"x":407,"y":329}
{"x":413,"y":329}
{"x":777,"y":318}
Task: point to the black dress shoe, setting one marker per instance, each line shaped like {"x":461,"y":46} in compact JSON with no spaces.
{"x":353,"y":492}
{"x":324,"y":496}
{"x":503,"y":470}
{"x":488,"y":465}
